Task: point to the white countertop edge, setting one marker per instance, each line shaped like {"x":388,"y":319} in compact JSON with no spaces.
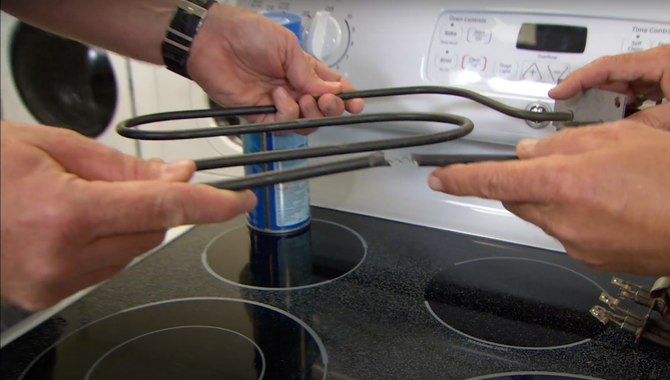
{"x":34,"y":320}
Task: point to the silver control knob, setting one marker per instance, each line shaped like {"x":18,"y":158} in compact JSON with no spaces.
{"x":326,"y":38}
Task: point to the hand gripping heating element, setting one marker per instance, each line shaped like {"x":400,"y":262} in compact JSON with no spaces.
{"x":605,"y":107}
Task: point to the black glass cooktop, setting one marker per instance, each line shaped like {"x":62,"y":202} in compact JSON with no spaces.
{"x":350,"y":298}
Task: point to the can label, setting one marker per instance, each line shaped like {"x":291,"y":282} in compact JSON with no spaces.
{"x":283,"y":207}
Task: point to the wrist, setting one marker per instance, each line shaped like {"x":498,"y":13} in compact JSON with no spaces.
{"x":185,"y":25}
{"x":217,"y":30}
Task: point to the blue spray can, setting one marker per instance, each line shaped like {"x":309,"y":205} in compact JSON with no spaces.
{"x":282,"y":208}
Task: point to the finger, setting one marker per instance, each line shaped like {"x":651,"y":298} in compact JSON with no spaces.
{"x":567,"y":141}
{"x":141,"y":206}
{"x":120,"y":249}
{"x":301,"y":75}
{"x":650,"y":65}
{"x":309,"y":107}
{"x":531,"y":181}
{"x":309,"y":110}
{"x":91,"y":160}
{"x":650,"y":91}
{"x":354,"y":106}
{"x":331,"y":105}
{"x":287,"y":108}
{"x":656,"y":116}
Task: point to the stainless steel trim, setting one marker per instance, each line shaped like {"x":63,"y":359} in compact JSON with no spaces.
{"x":180,"y":46}
{"x":180,"y":34}
{"x":193,"y":9}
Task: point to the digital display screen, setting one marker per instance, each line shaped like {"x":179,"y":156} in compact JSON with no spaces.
{"x":552,"y":38}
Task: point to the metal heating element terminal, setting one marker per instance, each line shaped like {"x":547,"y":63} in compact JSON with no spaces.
{"x":656,"y":300}
{"x":592,"y":106}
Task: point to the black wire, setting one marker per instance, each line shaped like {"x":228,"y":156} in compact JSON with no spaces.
{"x":465,"y":127}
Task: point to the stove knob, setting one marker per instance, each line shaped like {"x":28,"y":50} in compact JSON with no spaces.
{"x":323,"y":37}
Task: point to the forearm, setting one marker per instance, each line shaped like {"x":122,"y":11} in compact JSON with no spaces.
{"x":134,"y":28}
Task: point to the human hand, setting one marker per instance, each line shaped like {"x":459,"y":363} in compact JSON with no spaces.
{"x":602,"y":191}
{"x":645,"y":74}
{"x":75,"y":212}
{"x":241,"y":58}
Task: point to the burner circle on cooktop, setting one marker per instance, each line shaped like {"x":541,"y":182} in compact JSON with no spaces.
{"x":200,"y":346}
{"x":515,"y":303}
{"x":199,"y":338}
{"x":533,"y":376}
{"x":317,"y":255}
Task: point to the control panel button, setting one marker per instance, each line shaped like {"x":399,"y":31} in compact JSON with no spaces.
{"x":506,"y":70}
{"x":635,"y":44}
{"x":478,"y":35}
{"x":659,"y":43}
{"x":531,"y":72}
{"x":558,"y":71}
{"x":451,"y":34}
{"x":474,"y":63}
{"x":446,"y":61}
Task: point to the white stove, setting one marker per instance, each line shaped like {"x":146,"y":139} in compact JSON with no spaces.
{"x":477,"y":45}
{"x":483,"y":46}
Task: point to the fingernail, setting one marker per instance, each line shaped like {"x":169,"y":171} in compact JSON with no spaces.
{"x":247,"y":200}
{"x":335,"y":85}
{"x":435,"y":183}
{"x":169,"y":169}
{"x":527,"y":144}
{"x":282,"y":94}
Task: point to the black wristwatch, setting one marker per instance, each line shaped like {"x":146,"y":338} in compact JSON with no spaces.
{"x":184,"y":26}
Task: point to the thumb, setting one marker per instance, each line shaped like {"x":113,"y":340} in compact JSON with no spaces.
{"x":141,"y":206}
{"x":656,"y":116}
{"x":301,"y":74}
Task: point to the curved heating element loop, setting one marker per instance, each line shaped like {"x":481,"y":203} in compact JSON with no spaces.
{"x":465,"y":127}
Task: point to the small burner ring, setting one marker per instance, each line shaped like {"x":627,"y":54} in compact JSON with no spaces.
{"x":318,"y":255}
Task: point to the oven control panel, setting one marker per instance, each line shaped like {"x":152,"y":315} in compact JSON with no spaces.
{"x":516,"y":53}
{"x":512,"y":56}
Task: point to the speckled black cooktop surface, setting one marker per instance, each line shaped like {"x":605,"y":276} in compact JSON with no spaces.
{"x":352,"y":297}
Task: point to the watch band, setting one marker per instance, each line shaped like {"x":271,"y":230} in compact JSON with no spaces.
{"x":179,"y":36}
